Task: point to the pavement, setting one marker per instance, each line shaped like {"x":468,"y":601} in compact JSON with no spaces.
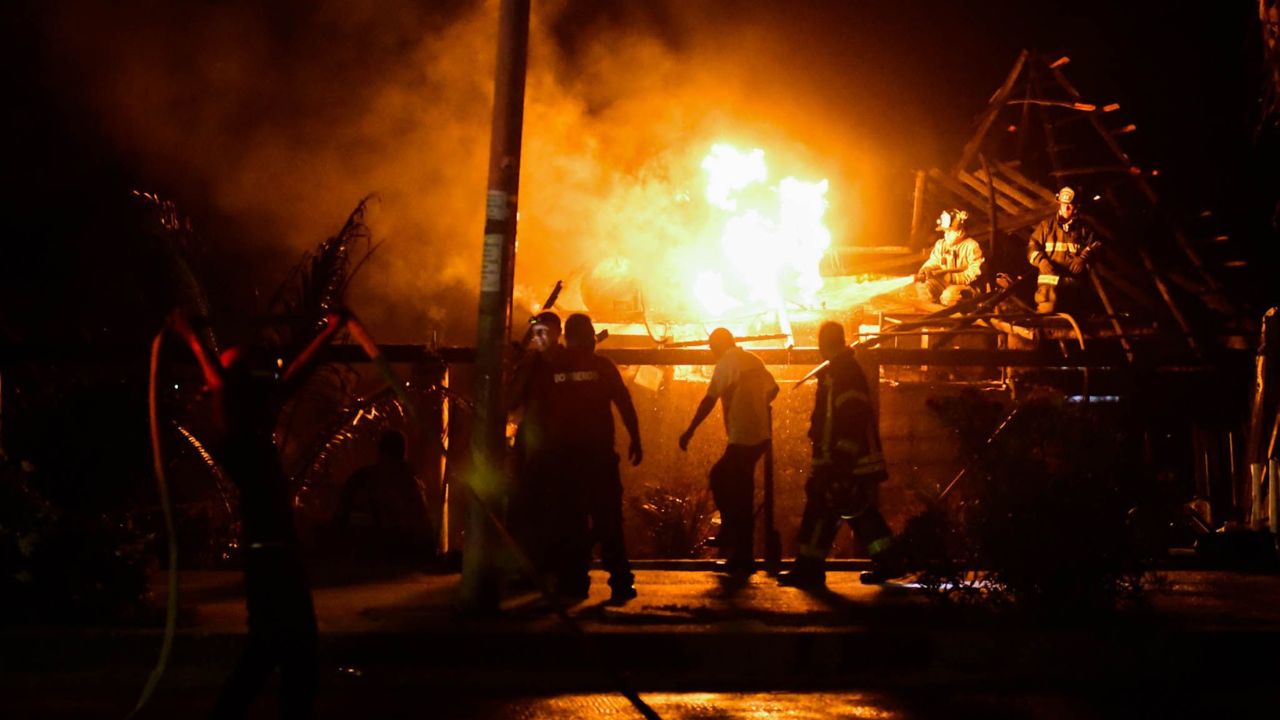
{"x":394,"y":645}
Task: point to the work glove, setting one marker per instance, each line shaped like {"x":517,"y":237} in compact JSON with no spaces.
{"x":920,"y":276}
{"x":1078,"y":265}
{"x":1046,"y":268}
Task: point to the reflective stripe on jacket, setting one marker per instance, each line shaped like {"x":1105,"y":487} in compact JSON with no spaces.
{"x":1053,"y":242}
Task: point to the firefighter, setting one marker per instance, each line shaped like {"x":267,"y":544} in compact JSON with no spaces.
{"x":954,"y":264}
{"x":744,"y":388}
{"x":578,"y":467}
{"x":1063,"y":247}
{"x":848,"y":467}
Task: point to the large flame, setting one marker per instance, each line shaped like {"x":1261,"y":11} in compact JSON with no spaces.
{"x":771,"y":237}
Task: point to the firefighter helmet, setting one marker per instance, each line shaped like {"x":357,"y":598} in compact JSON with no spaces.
{"x":952,"y":219}
{"x":1067,"y":195}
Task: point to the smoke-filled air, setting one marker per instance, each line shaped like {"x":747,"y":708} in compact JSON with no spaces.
{"x":278,"y":117}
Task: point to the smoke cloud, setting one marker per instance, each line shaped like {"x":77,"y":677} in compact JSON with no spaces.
{"x":272,"y":120}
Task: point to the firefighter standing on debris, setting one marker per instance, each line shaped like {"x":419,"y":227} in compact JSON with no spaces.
{"x":1063,"y":247}
{"x":954,"y":264}
{"x":745,"y":388}
{"x":577,"y":468}
{"x":848,"y":467}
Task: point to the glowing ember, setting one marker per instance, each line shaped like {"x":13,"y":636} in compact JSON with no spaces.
{"x":771,"y":237}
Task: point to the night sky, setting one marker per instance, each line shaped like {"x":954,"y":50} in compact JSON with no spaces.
{"x":871,"y":91}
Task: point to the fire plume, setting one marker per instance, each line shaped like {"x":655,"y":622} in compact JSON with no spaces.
{"x":770,"y":238}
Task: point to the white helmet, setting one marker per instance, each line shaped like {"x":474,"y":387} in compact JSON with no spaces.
{"x":952,"y":219}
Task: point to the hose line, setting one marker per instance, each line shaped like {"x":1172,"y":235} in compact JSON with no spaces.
{"x":157,"y":457}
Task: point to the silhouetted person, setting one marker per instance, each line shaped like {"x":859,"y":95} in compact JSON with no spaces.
{"x":544,"y":344}
{"x":848,"y":467}
{"x":382,"y":505}
{"x":249,"y":385}
{"x":745,"y":389}
{"x":530,"y":399}
{"x":577,"y":472}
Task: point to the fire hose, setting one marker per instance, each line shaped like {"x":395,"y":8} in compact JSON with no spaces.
{"x":966,"y":310}
{"x":166,"y":506}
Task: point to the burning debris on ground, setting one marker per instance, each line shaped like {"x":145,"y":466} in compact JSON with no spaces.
{"x":1047,"y":234}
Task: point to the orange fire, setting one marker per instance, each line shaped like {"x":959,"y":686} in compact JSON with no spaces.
{"x":771,"y":237}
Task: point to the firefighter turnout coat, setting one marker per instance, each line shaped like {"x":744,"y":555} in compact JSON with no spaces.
{"x":843,"y":427}
{"x":1060,"y":241}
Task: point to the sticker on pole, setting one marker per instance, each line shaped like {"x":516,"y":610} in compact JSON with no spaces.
{"x":496,"y":207}
{"x":491,"y":264}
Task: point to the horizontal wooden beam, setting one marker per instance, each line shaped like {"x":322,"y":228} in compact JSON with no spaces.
{"x":776,"y":356}
{"x":1006,"y":204}
{"x":956,"y":188}
{"x":1008,"y":171}
{"x":1023,"y":199}
{"x":404,"y":353}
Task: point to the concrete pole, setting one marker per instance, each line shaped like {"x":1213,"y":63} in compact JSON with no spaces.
{"x":497,"y":273}
{"x":1257,"y":451}
{"x":1273,"y":498}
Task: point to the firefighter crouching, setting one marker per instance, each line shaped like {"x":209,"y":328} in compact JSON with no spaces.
{"x":848,"y":467}
{"x":954,"y":264}
{"x":1063,"y":248}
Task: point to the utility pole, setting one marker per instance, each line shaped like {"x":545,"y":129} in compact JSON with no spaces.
{"x":497,"y":274}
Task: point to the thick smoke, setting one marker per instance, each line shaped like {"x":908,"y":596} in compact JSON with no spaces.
{"x":279,"y":117}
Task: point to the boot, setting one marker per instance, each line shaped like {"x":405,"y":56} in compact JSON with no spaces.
{"x":621,"y":594}
{"x":876,"y":576}
{"x":884,"y":567}
{"x":807,"y":573}
{"x":622,"y":587}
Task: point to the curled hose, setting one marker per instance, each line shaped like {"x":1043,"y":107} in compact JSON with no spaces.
{"x":1074,"y":326}
{"x":1080,"y":339}
{"x":166,"y":506}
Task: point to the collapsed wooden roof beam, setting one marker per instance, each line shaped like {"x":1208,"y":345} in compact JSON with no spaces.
{"x":994,"y":106}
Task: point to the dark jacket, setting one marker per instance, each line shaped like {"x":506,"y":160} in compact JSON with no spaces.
{"x":1059,"y":242}
{"x":580,"y":390}
{"x":844,"y":428}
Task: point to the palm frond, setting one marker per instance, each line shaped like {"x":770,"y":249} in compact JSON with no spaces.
{"x":174,"y":235}
{"x":317,"y":285}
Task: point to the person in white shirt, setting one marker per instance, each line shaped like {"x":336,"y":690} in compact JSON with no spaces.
{"x":745,"y":389}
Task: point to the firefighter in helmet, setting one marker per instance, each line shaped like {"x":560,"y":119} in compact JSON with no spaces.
{"x":954,"y":264}
{"x":1063,"y":248}
{"x":848,"y":467}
